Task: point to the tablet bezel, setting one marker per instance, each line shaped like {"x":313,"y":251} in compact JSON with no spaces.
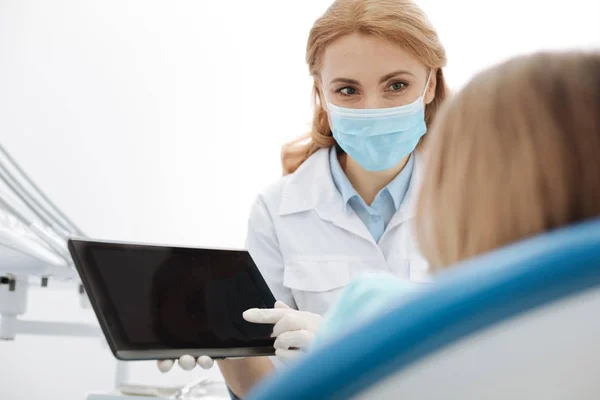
{"x":111,"y":326}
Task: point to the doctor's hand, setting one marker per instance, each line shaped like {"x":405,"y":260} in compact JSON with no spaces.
{"x":187,"y":363}
{"x":293,"y":329}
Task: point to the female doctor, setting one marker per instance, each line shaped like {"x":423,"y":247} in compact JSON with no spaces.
{"x":346,"y":204}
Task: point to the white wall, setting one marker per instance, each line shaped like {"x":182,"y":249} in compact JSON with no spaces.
{"x":160,"y":121}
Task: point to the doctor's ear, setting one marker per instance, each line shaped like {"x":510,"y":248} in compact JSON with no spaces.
{"x":430,"y":93}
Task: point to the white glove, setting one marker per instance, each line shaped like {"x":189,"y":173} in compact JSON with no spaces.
{"x":293,"y":329}
{"x":187,"y":363}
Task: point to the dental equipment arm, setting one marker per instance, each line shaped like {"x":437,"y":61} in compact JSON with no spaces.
{"x":35,"y":199}
{"x":33,"y":245}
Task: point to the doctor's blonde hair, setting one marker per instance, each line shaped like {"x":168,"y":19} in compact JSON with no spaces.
{"x":398,"y":21}
{"x":514,"y":154}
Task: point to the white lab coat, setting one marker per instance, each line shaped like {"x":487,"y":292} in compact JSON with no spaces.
{"x":307,"y":248}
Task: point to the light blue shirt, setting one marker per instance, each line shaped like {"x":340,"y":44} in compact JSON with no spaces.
{"x":376,"y":216}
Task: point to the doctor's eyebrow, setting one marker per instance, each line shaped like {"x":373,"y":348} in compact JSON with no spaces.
{"x":345,"y":80}
{"x":395,"y":73}
{"x":381,"y":80}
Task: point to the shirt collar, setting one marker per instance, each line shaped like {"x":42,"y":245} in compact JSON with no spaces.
{"x":397,"y":187}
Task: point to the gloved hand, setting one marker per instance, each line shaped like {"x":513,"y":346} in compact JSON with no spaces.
{"x":293,"y":329}
{"x":186,"y":363}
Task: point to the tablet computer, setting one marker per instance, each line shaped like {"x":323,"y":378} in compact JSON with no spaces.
{"x":161,"y":302}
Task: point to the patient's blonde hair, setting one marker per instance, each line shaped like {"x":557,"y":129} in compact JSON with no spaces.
{"x":398,"y":21}
{"x":515,"y":153}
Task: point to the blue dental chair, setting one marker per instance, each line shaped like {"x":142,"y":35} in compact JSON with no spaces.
{"x":522,"y":322}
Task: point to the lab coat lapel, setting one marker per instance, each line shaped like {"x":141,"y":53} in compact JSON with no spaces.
{"x":311,"y":187}
{"x":335,"y":213}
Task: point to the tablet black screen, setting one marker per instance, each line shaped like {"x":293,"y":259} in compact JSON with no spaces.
{"x":157,"y":297}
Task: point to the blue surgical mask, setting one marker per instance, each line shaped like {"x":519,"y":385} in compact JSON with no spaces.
{"x":378,"y":139}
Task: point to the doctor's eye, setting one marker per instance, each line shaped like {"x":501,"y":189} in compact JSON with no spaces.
{"x":398,"y":86}
{"x":347,"y":91}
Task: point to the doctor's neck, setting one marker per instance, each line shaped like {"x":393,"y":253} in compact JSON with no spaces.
{"x":368,"y":183}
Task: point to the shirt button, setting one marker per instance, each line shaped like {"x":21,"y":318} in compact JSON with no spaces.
{"x":375,"y":218}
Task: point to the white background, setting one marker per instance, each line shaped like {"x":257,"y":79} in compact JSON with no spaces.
{"x":160,"y":122}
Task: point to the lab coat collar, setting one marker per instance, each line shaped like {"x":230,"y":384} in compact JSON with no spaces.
{"x":311,"y":187}
{"x":341,"y":182}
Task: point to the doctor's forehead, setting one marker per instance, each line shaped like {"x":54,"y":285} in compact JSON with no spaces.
{"x":366,"y":59}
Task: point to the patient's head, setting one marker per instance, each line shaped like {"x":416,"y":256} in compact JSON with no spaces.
{"x":515,"y":153}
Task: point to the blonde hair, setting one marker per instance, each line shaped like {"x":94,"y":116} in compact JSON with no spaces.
{"x":514,"y":154}
{"x":398,"y":21}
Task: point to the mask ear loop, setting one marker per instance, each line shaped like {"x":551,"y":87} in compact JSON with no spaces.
{"x":427,"y":84}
